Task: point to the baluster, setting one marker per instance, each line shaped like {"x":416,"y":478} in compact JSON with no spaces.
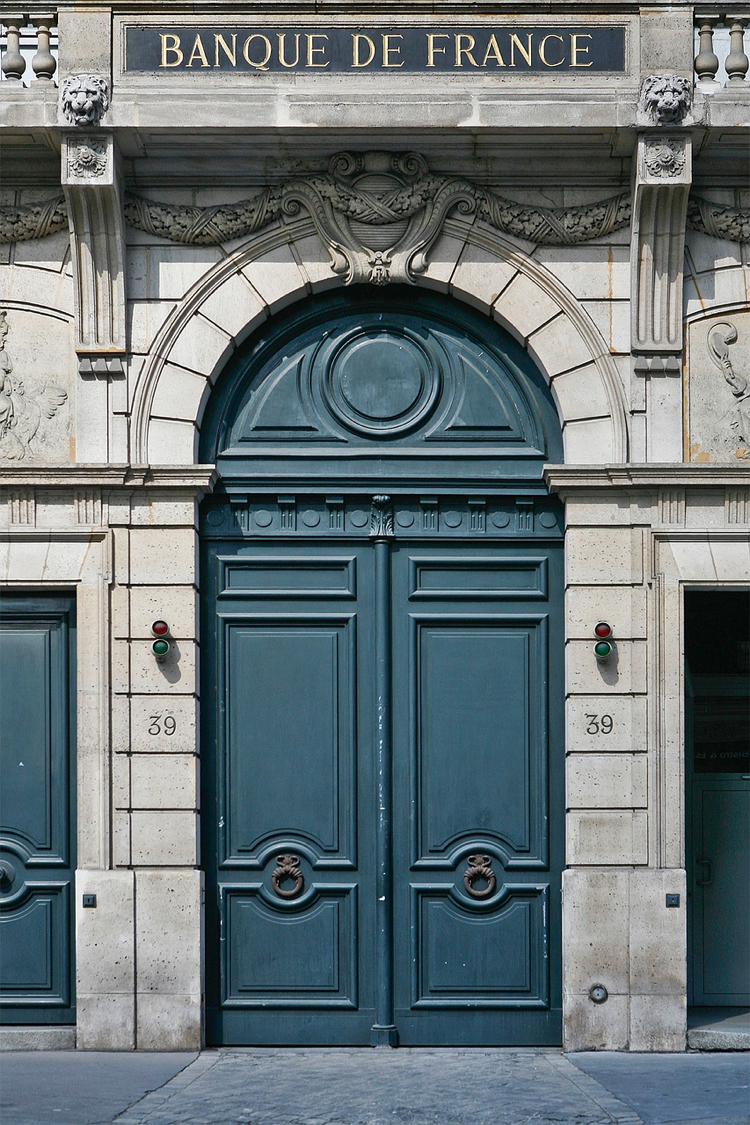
{"x":706,"y":62}
{"x":736,"y":62}
{"x":43,"y":63}
{"x":14,"y":64}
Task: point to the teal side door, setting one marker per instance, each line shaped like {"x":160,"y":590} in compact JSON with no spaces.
{"x":37,"y":809}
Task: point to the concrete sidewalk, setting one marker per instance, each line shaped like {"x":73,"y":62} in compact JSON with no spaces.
{"x":473,"y":1086}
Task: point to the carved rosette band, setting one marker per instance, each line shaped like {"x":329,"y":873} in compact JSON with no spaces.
{"x":480,"y":867}
{"x":287,"y":868}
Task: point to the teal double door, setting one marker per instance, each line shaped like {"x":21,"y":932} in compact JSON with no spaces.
{"x":382,"y":765}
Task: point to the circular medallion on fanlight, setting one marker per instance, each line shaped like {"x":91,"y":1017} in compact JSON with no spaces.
{"x":380,"y":382}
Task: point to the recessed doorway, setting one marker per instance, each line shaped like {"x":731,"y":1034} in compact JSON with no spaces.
{"x":717,"y":706}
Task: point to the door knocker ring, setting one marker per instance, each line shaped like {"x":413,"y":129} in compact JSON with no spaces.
{"x":288,"y":868}
{"x":480,"y":868}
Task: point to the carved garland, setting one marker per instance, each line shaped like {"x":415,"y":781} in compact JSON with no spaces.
{"x":211,"y":225}
{"x":328,"y":201}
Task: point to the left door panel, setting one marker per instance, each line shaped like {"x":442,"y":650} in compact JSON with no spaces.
{"x":289,"y":853}
{"x":37,"y":809}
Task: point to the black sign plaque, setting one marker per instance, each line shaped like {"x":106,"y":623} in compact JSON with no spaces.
{"x":497,"y":49}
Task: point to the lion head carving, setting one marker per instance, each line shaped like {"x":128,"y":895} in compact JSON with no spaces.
{"x":84,"y":98}
{"x":665,"y":99}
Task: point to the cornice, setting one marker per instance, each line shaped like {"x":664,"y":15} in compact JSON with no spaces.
{"x":194,"y":478}
{"x":570,"y":479}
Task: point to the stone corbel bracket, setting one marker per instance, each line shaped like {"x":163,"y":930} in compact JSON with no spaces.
{"x":91,"y":182}
{"x":663,"y":175}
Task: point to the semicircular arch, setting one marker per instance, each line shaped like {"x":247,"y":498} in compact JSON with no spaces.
{"x":288,"y":262}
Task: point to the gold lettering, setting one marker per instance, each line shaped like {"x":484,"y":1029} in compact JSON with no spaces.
{"x":357,"y":38}
{"x":231,"y":53}
{"x":432,"y":49}
{"x":387,"y":49}
{"x":198,"y":52}
{"x":313,"y":50}
{"x":258,"y":64}
{"x":493,"y":50}
{"x":575,"y":49}
{"x":173,"y":47}
{"x":282,"y":49}
{"x":543,"y":47}
{"x":525,"y":51}
{"x":471,"y":41}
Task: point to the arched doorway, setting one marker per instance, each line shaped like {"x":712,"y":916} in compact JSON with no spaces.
{"x":382,"y":696}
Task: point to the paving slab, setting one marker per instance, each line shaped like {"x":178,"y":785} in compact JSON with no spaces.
{"x":689,"y":1089}
{"x":380,"y":1087}
{"x":80,"y":1087}
{"x":471,"y":1086}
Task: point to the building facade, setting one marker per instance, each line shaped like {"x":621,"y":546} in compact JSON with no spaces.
{"x":374,"y":444}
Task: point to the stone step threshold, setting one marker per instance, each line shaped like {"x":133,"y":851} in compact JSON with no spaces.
{"x":38,"y":1038}
{"x":718,"y":1029}
{"x":709,"y":1029}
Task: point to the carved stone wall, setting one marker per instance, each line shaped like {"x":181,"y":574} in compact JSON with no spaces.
{"x":718,"y":388}
{"x":35,"y":386}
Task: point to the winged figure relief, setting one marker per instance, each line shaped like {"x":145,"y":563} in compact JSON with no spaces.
{"x":22,"y":410}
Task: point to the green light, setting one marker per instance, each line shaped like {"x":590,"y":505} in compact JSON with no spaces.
{"x":602,"y":650}
{"x":160,"y":648}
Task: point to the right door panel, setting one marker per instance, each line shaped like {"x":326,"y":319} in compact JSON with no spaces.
{"x":476,"y":855}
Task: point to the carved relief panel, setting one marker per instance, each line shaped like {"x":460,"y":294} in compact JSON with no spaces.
{"x":35,"y":382}
{"x":718,"y":399}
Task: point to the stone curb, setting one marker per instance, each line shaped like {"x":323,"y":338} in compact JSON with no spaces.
{"x":619,"y":1111}
{"x":133,"y":1115}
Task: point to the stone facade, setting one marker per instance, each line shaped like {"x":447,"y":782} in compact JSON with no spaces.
{"x":604,"y":223}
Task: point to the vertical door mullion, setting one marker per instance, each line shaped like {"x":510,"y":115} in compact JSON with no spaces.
{"x":384,"y":1030}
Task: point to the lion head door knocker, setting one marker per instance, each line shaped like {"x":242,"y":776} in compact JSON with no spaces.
{"x":480,"y":867}
{"x":287,"y":868}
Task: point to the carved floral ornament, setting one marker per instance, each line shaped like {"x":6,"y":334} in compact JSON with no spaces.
{"x":378,"y":213}
{"x":88,"y":159}
{"x":664,"y":158}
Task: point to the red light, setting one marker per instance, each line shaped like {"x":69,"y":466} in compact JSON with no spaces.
{"x":160,"y":628}
{"x":602,"y":629}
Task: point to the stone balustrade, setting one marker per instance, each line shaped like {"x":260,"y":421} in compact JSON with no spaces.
{"x":29,"y":47}
{"x":721,"y":59}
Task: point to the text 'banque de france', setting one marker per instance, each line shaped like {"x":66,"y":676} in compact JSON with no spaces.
{"x":464,"y":50}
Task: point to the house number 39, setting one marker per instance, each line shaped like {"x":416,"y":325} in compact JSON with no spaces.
{"x":159,"y":723}
{"x":599,"y":724}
